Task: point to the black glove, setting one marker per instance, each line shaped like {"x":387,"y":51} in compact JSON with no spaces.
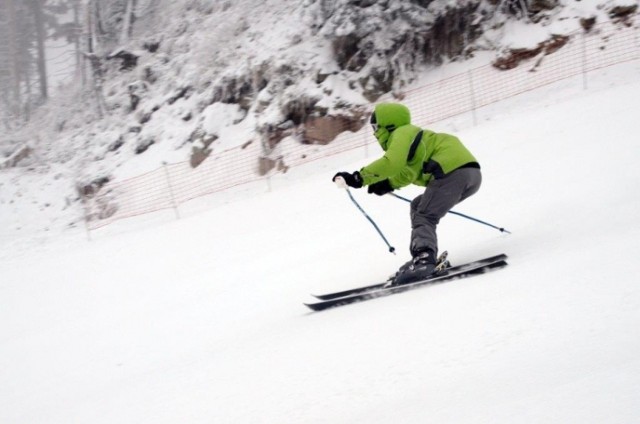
{"x":353,"y":180}
{"x":380,"y":188}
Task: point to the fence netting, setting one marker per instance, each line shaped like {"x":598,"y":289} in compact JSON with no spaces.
{"x":173,"y":184}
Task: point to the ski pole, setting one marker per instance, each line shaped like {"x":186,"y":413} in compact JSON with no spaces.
{"x":342,"y":184}
{"x":462,"y":215}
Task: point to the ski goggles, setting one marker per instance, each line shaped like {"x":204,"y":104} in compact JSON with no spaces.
{"x":374,"y":123}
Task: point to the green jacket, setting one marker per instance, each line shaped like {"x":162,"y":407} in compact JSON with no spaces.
{"x":435,"y":155}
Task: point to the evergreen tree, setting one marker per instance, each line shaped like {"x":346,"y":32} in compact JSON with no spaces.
{"x":25,"y":25}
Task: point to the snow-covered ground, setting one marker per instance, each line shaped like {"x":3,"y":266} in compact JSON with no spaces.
{"x":200,"y":320}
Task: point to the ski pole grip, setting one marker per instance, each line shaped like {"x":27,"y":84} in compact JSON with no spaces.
{"x":340,"y":182}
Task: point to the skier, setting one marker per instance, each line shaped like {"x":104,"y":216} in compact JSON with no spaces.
{"x":437,"y":161}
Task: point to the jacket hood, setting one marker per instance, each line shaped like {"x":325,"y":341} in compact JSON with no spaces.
{"x":389,"y":116}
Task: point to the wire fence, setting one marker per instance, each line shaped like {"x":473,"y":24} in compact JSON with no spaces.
{"x":168,"y":187}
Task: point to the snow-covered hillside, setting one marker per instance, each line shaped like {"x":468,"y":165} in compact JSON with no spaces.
{"x":201,"y":320}
{"x":211,"y":75}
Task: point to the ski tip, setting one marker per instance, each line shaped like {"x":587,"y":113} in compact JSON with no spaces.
{"x":321,"y":297}
{"x":312,"y":306}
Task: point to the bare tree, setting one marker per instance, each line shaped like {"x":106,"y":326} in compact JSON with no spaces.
{"x":127,"y":25}
{"x":5,"y":70}
{"x":41,"y":35}
{"x":25,"y":25}
{"x":76,"y":33}
{"x":72,"y":30}
{"x":13,"y":57}
{"x":22,"y":26}
{"x":92,"y":38}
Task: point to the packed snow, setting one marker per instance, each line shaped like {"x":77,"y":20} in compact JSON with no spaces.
{"x":201,"y":319}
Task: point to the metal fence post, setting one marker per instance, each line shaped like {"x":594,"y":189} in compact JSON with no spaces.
{"x":170,"y":188}
{"x":472,"y":93}
{"x":584,"y":61}
{"x":85,"y":209}
{"x":366,"y":145}
{"x":636,"y":30}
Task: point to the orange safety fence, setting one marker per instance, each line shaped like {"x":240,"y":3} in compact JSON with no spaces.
{"x":167,"y":187}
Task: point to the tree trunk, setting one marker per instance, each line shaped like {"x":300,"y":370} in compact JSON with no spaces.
{"x":80,"y":63}
{"x":26,"y":110}
{"x":92,"y":56}
{"x":41,"y":35}
{"x":127,"y":25}
{"x":14,"y":61}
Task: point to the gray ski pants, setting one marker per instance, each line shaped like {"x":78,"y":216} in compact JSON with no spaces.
{"x":438,"y":198}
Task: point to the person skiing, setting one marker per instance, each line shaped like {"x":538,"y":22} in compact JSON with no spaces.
{"x":437,"y":161}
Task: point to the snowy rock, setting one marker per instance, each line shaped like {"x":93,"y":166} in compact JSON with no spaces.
{"x":129,"y":60}
{"x":511,"y":58}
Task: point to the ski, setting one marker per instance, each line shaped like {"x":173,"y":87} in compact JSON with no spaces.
{"x":445,"y":272}
{"x":468,"y":270}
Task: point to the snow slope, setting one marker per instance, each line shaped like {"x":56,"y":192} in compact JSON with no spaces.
{"x":200,"y":320}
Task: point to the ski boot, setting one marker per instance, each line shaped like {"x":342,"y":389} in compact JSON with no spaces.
{"x":422,"y":266}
